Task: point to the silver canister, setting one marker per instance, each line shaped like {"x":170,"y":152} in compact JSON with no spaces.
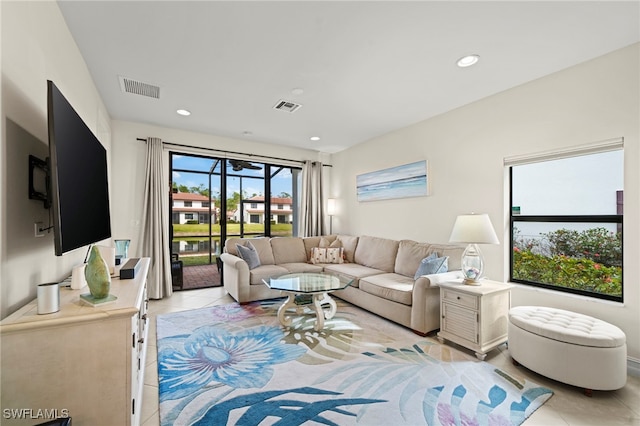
{"x":48,"y":298}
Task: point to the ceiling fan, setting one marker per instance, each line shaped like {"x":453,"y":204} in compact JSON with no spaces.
{"x":238,"y":165}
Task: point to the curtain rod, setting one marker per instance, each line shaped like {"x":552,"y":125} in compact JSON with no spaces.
{"x":230,"y":152}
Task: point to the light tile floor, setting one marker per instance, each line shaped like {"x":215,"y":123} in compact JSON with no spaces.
{"x":568,"y":406}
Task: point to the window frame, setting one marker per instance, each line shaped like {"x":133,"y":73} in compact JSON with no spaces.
{"x":224,"y":174}
{"x":604,"y":219}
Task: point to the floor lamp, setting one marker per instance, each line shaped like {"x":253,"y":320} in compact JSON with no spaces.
{"x":331,"y":211}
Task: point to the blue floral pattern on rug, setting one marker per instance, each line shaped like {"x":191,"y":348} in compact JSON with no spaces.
{"x":212,"y":354}
{"x":235,"y":364}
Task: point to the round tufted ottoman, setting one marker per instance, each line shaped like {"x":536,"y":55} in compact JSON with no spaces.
{"x":568,"y":347}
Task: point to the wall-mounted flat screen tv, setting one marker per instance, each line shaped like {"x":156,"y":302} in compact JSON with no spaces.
{"x":79,"y":179}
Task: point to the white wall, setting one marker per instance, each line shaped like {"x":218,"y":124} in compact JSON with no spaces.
{"x":36,"y":46}
{"x":129,"y":159}
{"x":465,"y":148}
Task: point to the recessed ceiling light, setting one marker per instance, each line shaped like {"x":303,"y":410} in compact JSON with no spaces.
{"x":315,"y":138}
{"x":183,"y":112}
{"x":467,"y":61}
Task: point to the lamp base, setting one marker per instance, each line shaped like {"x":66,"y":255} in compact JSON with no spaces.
{"x":472,"y":265}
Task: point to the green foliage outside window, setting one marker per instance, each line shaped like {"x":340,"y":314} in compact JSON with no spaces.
{"x":589,"y":260}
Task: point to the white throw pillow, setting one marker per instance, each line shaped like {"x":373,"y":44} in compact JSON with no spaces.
{"x":326,"y":255}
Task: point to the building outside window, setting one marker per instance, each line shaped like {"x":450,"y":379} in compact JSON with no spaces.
{"x":188,"y":216}
{"x":566,"y":222}
{"x":188,"y":204}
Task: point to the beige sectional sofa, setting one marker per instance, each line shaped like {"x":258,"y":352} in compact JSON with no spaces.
{"x":383,"y":271}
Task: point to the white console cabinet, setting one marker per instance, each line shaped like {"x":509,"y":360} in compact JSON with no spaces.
{"x":83,"y":362}
{"x":475,"y":317}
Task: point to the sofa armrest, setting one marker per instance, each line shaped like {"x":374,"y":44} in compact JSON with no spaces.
{"x":425,"y":306}
{"x":232,"y":261}
{"x":435,"y":279}
{"x":236,"y":277}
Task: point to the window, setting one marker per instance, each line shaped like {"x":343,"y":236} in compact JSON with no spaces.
{"x":566,"y":222}
{"x":280,"y":206}
{"x":188,"y":204}
{"x":254,"y":205}
{"x":188,"y":216}
{"x":205,"y":204}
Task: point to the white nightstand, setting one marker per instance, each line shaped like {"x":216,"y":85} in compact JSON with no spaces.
{"x":475,"y":317}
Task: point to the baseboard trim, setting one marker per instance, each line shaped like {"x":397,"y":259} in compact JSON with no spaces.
{"x":633,"y":366}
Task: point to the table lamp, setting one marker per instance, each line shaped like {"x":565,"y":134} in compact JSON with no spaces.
{"x":473,"y":229}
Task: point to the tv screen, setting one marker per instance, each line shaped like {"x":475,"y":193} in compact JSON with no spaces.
{"x":79,"y":180}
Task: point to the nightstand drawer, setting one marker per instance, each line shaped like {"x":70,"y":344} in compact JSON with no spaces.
{"x":462,"y":299}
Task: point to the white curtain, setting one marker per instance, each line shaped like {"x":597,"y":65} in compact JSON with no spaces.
{"x":155,"y":222}
{"x":311,"y":208}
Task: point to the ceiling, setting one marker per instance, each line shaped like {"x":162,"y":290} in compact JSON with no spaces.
{"x":359,"y":69}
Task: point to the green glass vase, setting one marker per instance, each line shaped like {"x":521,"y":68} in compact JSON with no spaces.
{"x":97,"y":275}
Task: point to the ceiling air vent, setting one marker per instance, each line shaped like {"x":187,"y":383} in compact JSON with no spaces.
{"x":287,"y":106}
{"x":129,"y":85}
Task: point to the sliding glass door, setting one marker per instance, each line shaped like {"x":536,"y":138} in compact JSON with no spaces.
{"x":213,"y":199}
{"x":195,"y":210}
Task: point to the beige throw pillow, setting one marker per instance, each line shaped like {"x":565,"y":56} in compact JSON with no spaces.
{"x":326,"y":255}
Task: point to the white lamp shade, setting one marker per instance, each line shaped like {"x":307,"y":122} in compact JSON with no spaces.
{"x":331,"y":206}
{"x":473,"y":229}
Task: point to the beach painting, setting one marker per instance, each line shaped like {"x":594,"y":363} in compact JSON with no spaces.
{"x":409,"y":180}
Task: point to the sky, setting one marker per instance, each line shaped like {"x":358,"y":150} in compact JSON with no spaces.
{"x":583,"y":185}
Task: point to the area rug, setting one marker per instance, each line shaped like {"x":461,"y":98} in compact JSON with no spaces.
{"x":236,"y":365}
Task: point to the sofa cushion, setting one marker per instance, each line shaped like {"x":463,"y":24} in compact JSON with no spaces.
{"x":329,"y":241}
{"x":264,"y":272}
{"x":410,"y":254}
{"x":288,"y":250}
{"x":395,"y":287}
{"x":262,"y":245}
{"x":352,"y":270}
{"x":301,"y":267}
{"x":311,"y":242}
{"x":432,"y":264}
{"x":230,"y":245}
{"x":452,"y":251}
{"x":248,"y":253}
{"x":349,"y":243}
{"x":378,"y":253}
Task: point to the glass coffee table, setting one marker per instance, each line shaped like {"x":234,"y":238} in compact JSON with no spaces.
{"x":308,"y":290}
